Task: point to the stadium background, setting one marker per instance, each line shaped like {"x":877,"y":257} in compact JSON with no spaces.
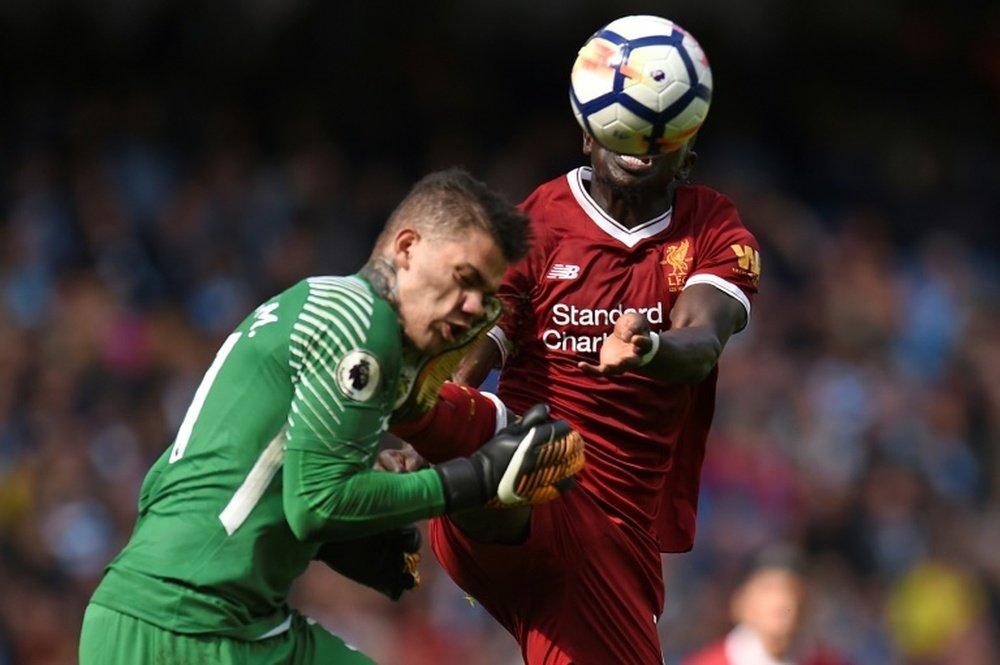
{"x":164,"y":165}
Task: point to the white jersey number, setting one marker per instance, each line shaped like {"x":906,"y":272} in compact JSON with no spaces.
{"x":184,"y":433}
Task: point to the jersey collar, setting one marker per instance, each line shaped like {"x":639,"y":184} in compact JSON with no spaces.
{"x":578,"y":178}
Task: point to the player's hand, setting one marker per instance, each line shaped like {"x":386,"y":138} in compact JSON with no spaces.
{"x":531,"y":461}
{"x":400,"y":460}
{"x":624,"y":348}
{"x":387,"y":562}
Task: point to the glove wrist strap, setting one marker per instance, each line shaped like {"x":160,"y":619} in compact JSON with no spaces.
{"x":463,"y":484}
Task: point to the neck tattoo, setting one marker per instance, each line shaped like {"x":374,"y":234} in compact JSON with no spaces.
{"x":382,"y":275}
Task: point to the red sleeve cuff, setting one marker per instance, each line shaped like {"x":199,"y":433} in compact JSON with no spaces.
{"x":462,"y":420}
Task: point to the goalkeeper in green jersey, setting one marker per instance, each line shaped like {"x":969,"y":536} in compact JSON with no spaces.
{"x":272,"y":466}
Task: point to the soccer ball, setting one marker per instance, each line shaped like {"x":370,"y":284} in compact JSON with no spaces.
{"x":641,"y":85}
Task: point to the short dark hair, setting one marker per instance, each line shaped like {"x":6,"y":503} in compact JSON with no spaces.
{"x":777,"y":556}
{"x":451,"y":201}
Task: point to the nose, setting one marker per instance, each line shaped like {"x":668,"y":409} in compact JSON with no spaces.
{"x":472,"y":303}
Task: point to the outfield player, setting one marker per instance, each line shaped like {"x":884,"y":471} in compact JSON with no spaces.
{"x":616,"y":318}
{"x":767,"y":609}
{"x":272,"y":464}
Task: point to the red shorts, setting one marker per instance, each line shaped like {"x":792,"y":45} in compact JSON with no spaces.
{"x":583,"y":589}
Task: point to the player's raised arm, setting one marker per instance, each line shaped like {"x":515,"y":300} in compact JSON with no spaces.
{"x":476,"y":366}
{"x":702,"y":321}
{"x":529,"y":462}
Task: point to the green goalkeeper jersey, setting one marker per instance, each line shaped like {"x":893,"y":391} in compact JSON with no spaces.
{"x":273,"y":457}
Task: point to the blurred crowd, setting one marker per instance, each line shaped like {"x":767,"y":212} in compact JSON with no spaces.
{"x":858,"y":415}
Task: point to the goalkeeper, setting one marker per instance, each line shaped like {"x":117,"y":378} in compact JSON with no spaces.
{"x":272,"y":466}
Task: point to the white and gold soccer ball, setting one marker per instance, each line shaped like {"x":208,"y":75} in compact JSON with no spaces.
{"x":641,"y":85}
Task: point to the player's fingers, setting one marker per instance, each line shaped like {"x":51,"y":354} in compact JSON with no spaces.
{"x":389,"y":460}
{"x":410,"y":458}
{"x":536,"y":415}
{"x":560,"y":428}
{"x":631,"y":324}
{"x":590,"y":369}
{"x":641,"y":344}
{"x":633,"y":331}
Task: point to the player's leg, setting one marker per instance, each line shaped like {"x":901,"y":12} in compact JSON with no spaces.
{"x":581,"y":588}
{"x":304,"y":643}
{"x":110,"y":638}
{"x":494,"y":525}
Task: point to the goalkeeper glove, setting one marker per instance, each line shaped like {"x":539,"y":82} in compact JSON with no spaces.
{"x":386,"y":562}
{"x":531,"y":461}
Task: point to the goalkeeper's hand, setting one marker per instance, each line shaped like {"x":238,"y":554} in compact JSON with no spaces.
{"x":531,"y":461}
{"x":387,"y":562}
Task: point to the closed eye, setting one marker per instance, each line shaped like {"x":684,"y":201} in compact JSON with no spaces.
{"x":471,"y":279}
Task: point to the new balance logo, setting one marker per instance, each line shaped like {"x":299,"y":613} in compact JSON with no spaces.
{"x":563,"y":271}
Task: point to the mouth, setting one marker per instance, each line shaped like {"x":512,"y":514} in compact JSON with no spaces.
{"x":452,"y":331}
{"x":634,"y":163}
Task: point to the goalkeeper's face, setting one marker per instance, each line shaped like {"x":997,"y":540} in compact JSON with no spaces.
{"x":443,"y":282}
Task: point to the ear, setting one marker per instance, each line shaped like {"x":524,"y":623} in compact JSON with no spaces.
{"x":588,"y":143}
{"x":402,"y":246}
{"x":684,"y":172}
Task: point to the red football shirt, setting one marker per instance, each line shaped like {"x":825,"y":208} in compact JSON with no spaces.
{"x":645,"y":437}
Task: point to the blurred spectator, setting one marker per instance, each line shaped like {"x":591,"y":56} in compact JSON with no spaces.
{"x":936,"y":615}
{"x":767,"y":609}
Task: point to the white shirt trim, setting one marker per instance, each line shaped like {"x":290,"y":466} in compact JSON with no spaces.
{"x":501,"y":411}
{"x":499,"y":338}
{"x":743,"y":647}
{"x":728,"y":288}
{"x":279,"y":629}
{"x":626,"y":236}
{"x":249,"y":494}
